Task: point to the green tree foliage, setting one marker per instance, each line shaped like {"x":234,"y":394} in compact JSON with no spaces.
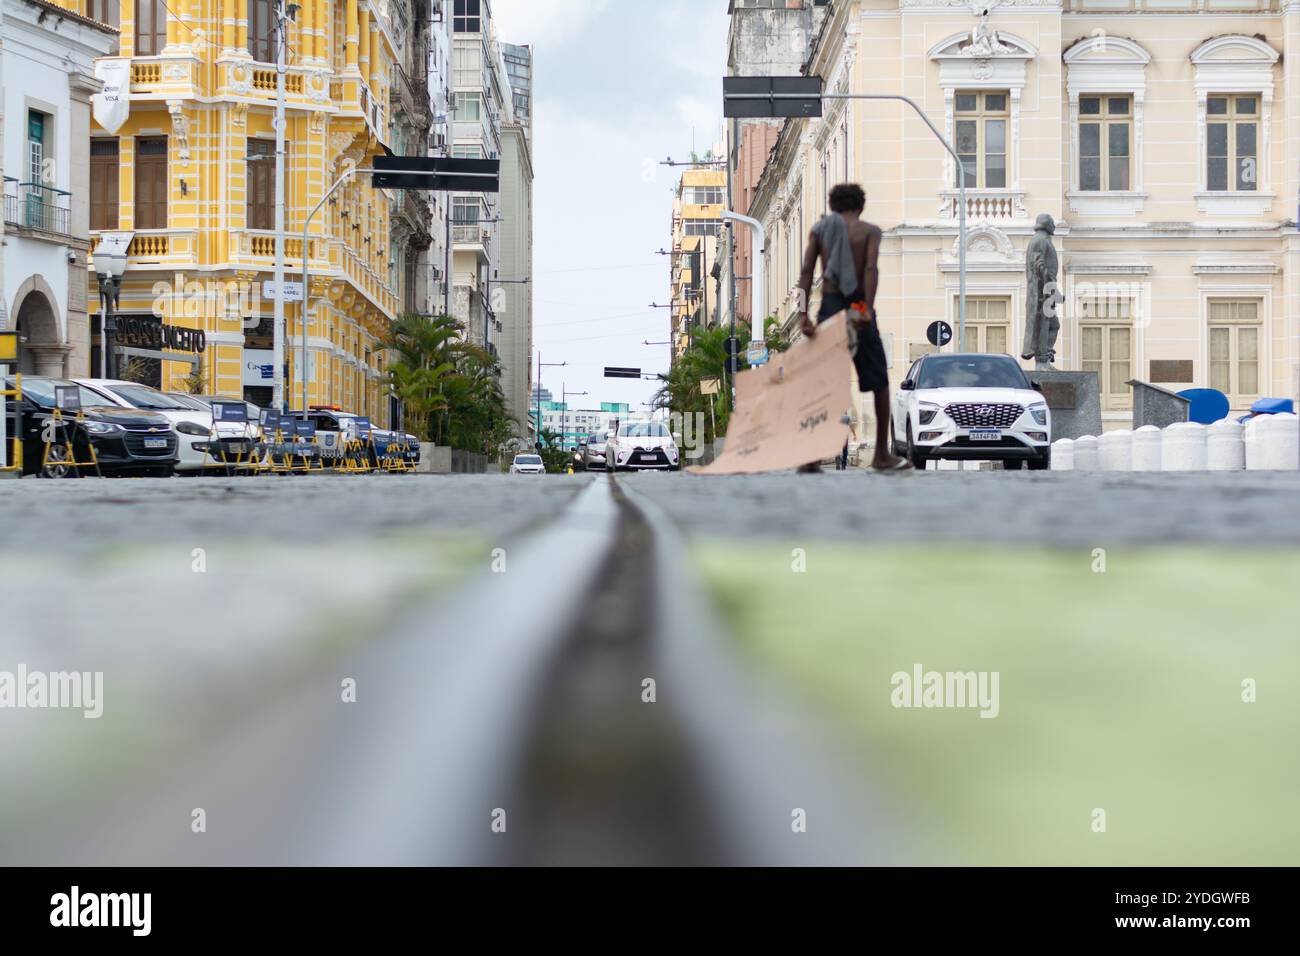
{"x":450,"y":389}
{"x":706,"y":358}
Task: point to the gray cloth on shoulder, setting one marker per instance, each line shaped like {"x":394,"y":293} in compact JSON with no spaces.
{"x":833,"y":234}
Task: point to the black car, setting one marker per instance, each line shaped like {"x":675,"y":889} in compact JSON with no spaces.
{"x":127,"y":441}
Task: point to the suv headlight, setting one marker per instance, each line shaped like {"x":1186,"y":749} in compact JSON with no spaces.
{"x":189,"y":428}
{"x":102,"y":428}
{"x":1039,"y":412}
{"x":672,"y":452}
{"x":925,"y":412}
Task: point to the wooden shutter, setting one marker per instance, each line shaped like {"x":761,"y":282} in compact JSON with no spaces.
{"x":151,"y":183}
{"x":150,"y":27}
{"x":104,"y":168}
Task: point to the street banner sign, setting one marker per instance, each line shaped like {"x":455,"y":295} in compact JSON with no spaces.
{"x":939,"y":333}
{"x":449,"y":173}
{"x":292,"y":291}
{"x":229,"y":412}
{"x":779,"y":97}
{"x":756,"y":355}
{"x":67,"y":398}
{"x":270,"y":419}
{"x":304,"y":428}
{"x":615,"y":371}
{"x":791,"y":411}
{"x":362,"y":426}
{"x":710,"y":386}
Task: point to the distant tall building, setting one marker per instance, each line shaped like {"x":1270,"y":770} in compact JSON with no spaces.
{"x":519,"y":70}
{"x":696,"y":227}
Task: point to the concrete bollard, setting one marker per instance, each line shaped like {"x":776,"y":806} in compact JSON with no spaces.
{"x":1183,"y":447}
{"x":1063,"y":454}
{"x":1115,"y":450}
{"x":1271,"y":442}
{"x":1225,"y":446}
{"x":1086,"y":457}
{"x":1145,"y":446}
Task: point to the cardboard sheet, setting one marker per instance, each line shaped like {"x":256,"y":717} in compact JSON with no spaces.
{"x":790,"y":411}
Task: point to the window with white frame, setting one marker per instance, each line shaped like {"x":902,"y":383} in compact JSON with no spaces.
{"x":1105,"y":143}
{"x":468,"y":106}
{"x":704,"y":195}
{"x":1235,"y":334}
{"x":988,"y":323}
{"x":1106,"y":346}
{"x":1232,"y":143}
{"x":981,"y":137}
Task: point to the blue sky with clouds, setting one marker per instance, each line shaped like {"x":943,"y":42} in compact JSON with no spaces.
{"x":618,"y":86}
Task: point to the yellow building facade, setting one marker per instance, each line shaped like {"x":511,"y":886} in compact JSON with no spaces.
{"x":191,"y":175}
{"x":697,"y":224}
{"x":1163,"y":137}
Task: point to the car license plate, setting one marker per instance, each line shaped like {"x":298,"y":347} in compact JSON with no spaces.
{"x":155,"y":443}
{"x":649,"y":457}
{"x":986,"y":434}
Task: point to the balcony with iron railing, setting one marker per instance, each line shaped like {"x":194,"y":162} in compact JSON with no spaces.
{"x":37,"y":207}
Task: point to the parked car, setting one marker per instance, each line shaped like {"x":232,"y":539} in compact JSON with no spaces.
{"x":193,"y":427}
{"x":593,"y":453}
{"x":127,"y":441}
{"x":635,"y":445}
{"x":231,"y":438}
{"x":334,"y":426}
{"x":525,"y":464}
{"x":971,"y":405}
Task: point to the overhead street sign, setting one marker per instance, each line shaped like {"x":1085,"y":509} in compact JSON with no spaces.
{"x":437,"y":173}
{"x":780,"y":97}
{"x":617,"y":372}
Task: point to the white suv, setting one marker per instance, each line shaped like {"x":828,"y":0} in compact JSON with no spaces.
{"x":641,"y":443}
{"x":971,"y":405}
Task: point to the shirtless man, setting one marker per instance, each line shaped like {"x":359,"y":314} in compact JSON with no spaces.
{"x":854,"y":246}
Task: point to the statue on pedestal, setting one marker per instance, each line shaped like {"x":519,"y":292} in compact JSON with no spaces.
{"x":1042,"y":296}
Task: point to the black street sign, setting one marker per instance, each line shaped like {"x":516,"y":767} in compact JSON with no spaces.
{"x":616,"y":372}
{"x":745,"y":97}
{"x":457,"y":175}
{"x":939,"y":333}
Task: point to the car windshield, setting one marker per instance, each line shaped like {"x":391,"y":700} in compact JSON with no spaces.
{"x":971,"y":371}
{"x":189,"y":401}
{"x":528,"y":460}
{"x":645,"y":430}
{"x":41,"y":391}
{"x":142,"y":396}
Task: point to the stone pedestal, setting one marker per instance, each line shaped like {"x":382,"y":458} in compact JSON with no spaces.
{"x":1074,"y":399}
{"x":1153,"y":405}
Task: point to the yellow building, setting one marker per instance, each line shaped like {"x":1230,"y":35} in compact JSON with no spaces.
{"x":1163,"y":138}
{"x":697,"y":224}
{"x":191,"y":175}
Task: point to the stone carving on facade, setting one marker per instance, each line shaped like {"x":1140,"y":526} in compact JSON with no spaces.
{"x":180,"y":131}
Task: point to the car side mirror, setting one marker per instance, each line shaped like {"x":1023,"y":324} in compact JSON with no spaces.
{"x":608,"y":435}
{"x":1036,"y":387}
{"x":907,"y":385}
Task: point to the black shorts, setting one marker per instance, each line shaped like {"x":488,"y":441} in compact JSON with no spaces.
{"x":865,"y":346}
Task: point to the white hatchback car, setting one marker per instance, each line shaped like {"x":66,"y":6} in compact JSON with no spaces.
{"x":527,"y":465}
{"x":193,"y":427}
{"x":640,"y":443}
{"x":971,"y":405}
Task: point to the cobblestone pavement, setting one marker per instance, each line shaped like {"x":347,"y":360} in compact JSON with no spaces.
{"x":1045,"y":508}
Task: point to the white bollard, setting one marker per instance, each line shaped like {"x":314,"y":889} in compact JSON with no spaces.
{"x":1086,"y":457}
{"x":1063,"y":454}
{"x":1115,"y":450}
{"x":1183,"y":447}
{"x":1272,"y":442}
{"x":1225,"y":446}
{"x":1146,"y":444}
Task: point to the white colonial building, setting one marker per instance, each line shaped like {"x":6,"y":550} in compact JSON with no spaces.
{"x":48,"y":69}
{"x":1162,"y":135}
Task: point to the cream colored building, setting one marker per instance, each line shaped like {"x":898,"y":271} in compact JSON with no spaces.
{"x":1162,"y":135}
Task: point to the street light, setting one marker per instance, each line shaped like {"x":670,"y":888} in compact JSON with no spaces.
{"x":564,"y":408}
{"x":540,"y":366}
{"x":109,"y":266}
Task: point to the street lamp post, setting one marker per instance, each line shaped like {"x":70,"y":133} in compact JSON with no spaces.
{"x":564,"y":410}
{"x":109,"y":266}
{"x":540,"y":366}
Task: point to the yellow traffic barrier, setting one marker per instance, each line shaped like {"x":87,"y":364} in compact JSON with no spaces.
{"x":66,"y":455}
{"x":16,"y":393}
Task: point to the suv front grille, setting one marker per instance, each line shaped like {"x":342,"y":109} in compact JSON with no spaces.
{"x":976,"y":415}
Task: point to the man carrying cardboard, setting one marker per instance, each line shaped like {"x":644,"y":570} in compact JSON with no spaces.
{"x":848,"y":248}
